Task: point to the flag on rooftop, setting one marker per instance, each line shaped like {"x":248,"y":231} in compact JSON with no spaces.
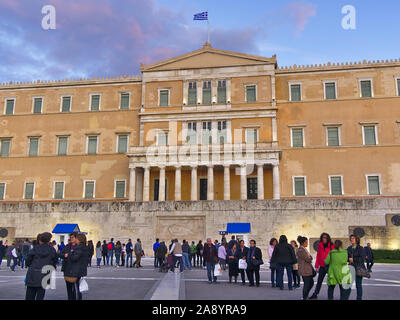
{"x":201,"y":16}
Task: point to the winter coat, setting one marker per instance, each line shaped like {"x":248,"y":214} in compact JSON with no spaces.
{"x":253,"y":252}
{"x":338,"y":267}
{"x":186,"y":248}
{"x":118,"y":251}
{"x":176,"y":249}
{"x":242,"y":254}
{"x":138,"y":248}
{"x":155,"y":246}
{"x":304,"y":260}
{"x":358,"y":256}
{"x":2,"y":251}
{"x":67,"y":249}
{"x":322,"y":253}
{"x":210,"y":253}
{"x":199,"y":248}
{"x":283,"y":254}
{"x":104,"y":250}
{"x":369,"y":255}
{"x":9,"y":251}
{"x":40,"y":256}
{"x":99,"y":253}
{"x":76,"y":262}
{"x":161,"y":251}
{"x":235,"y":256}
{"x":296,"y":265}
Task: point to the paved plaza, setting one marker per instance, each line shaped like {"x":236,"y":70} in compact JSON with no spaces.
{"x":111,"y":283}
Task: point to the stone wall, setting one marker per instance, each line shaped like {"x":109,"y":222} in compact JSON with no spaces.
{"x":201,"y":219}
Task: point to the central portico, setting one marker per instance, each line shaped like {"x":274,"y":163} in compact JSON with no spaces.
{"x":207,"y":129}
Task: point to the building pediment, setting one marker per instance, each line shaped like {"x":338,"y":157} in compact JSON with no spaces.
{"x":208,"y":57}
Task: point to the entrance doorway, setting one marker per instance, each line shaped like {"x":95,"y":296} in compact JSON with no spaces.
{"x":203,"y":189}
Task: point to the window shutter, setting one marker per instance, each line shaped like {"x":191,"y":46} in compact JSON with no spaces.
{"x":299,"y":187}
{"x":95,"y":103}
{"x":37,"y":105}
{"x":2,"y":190}
{"x":366,"y":90}
{"x":122,"y":144}
{"x":373,"y":185}
{"x":124,"y":101}
{"x":120,"y":189}
{"x":369,"y":135}
{"x":58,"y":190}
{"x":295,"y":92}
{"x":10,"y":107}
{"x":33,"y":147}
{"x":66,"y":104}
{"x":92,"y":147}
{"x":29,"y":190}
{"x":336,"y":186}
{"x":251,"y":93}
{"x":333,"y":137}
{"x":330,"y":91}
{"x":5,"y":148}
{"x":297,"y":137}
{"x":89,"y":190}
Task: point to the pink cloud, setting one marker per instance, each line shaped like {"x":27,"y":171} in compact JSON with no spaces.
{"x":301,"y":12}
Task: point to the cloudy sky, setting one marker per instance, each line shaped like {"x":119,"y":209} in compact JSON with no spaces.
{"x":112,"y":37}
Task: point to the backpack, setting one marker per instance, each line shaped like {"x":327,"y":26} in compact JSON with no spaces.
{"x":109,"y":246}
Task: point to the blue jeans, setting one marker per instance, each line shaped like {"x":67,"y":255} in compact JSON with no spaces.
{"x":280,"y":273}
{"x":129,"y":256}
{"x":186,"y":261}
{"x":23,"y":259}
{"x":15,"y":262}
{"x":110,"y":253}
{"x":175,"y":260}
{"x":117,"y":259}
{"x":98,"y":260}
{"x":210,"y":271}
{"x":359,"y":287}
{"x":155,"y":260}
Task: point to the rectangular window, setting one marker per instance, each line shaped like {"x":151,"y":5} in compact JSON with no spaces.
{"x":95,"y":102}
{"x":373,"y":185}
{"x":164,"y":98}
{"x":29,"y":190}
{"x":207,"y":92}
{"x":33,"y":147}
{"x":37,"y":105}
{"x":10,"y":106}
{"x":366,"y":88}
{"x":251,"y":93}
{"x":336,"y":186}
{"x":124,"y":101}
{"x":221,"y":133}
{"x":2,"y":191}
{"x":251,"y":135}
{"x":295,"y":92}
{"x":62,"y":146}
{"x":221,"y":92}
{"x":58,"y":190}
{"x":162,"y":138}
{"x":369,"y":135}
{"x":206,"y":133}
{"x":66,"y":104}
{"x":398,"y":87}
{"x":191,"y":134}
{"x":333,"y":136}
{"x":252,"y":193}
{"x":89,"y":189}
{"x":330,"y":90}
{"x":192,"y":94}
{"x":92,"y":145}
{"x":297,"y":138}
{"x":122,"y":143}
{"x":120,"y":189}
{"x":299,"y":186}
{"x":5,"y":148}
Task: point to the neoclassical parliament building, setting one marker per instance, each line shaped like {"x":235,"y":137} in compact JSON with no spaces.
{"x":204,"y":142}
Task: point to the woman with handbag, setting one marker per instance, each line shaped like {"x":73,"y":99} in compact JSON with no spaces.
{"x":306,"y":269}
{"x":338,"y":271}
{"x":242,"y":255}
{"x":254,"y":260}
{"x":356,"y":256}
{"x":233,"y":263}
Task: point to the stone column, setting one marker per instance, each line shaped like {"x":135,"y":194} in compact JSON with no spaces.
{"x":243,"y":183}
{"x":227,"y":183}
{"x":276,"y":184}
{"x":193,"y":186}
{"x":161,"y":191}
{"x":146,"y":184}
{"x":132,"y":185}
{"x":260,"y":182}
{"x":274,"y":132}
{"x":210,"y":183}
{"x":178,"y":184}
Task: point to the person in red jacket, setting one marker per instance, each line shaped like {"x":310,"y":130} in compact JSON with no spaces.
{"x":325,"y":245}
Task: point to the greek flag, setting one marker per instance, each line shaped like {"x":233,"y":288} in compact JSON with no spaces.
{"x":201,"y":16}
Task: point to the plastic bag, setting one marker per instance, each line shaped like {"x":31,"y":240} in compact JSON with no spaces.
{"x":217,"y":270}
{"x":242,"y":264}
{"x":83,"y":286}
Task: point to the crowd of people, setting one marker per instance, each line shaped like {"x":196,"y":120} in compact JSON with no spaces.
{"x":332,"y":261}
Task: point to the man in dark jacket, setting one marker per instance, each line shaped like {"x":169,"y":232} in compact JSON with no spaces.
{"x":233,"y":241}
{"x":129,"y":251}
{"x":161,"y":253}
{"x":369,"y":257}
{"x":39,"y":257}
{"x":210,"y":256}
{"x":254,"y":260}
{"x":104,"y":251}
{"x":26,"y":246}
{"x":285,"y":258}
{"x":2,"y":251}
{"x":242,"y":254}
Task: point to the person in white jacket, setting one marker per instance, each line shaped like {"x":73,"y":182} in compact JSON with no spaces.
{"x":14,"y":257}
{"x":271,"y":247}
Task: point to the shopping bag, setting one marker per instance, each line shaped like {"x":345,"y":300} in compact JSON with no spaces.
{"x":217,"y":270}
{"x":83,"y":286}
{"x":242,"y":264}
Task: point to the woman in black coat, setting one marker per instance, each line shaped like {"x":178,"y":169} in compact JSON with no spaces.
{"x":254,"y":260}
{"x":76,"y":267}
{"x":233,"y":262}
{"x":242,"y":254}
{"x":356,"y":256}
{"x":41,"y":255}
